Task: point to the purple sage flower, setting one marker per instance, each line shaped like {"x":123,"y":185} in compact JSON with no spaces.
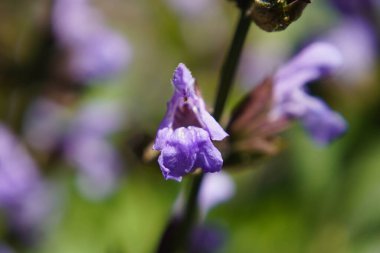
{"x":292,"y":101}
{"x":87,"y":148}
{"x":355,"y":7}
{"x":215,"y":189}
{"x":18,"y":172}
{"x":82,"y":139}
{"x":359,"y":54}
{"x":24,"y":196}
{"x":45,"y":124}
{"x":95,"y":51}
{"x":185,"y":134}
{"x":206,"y":239}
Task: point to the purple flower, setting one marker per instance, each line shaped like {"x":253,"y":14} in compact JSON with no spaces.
{"x":185,"y":134}
{"x":87,"y":148}
{"x":215,"y":189}
{"x":292,"y":101}
{"x":355,"y":7}
{"x":359,"y":54}
{"x":24,"y":196}
{"x":5,"y":249}
{"x":97,"y":162}
{"x":18,"y":172}
{"x":206,"y":239}
{"x":45,"y":124}
{"x":82,"y":139}
{"x":99,"y":117}
{"x":192,"y":8}
{"x":95,"y":51}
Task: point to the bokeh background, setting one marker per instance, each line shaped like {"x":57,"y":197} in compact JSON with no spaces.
{"x":84,"y":90}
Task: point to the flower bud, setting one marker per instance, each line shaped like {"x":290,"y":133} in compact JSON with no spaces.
{"x":276,"y":15}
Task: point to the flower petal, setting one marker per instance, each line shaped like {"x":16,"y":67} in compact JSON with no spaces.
{"x":216,"y":188}
{"x":311,"y":63}
{"x":183,"y":81}
{"x":216,"y":132}
{"x":177,"y":155}
{"x":323,"y":124}
{"x":208,"y":157}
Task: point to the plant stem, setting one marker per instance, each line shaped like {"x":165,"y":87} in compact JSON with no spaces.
{"x":230,"y":65}
{"x":180,"y":237}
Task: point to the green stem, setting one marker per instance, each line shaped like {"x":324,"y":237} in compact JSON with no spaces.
{"x":230,"y":64}
{"x":179,"y":240}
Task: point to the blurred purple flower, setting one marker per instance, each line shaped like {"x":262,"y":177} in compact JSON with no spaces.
{"x":23,"y":194}
{"x":185,"y":134}
{"x":18,"y":173}
{"x":95,"y":51}
{"x":88,"y":149}
{"x":98,"y":164}
{"x":192,"y":8}
{"x":260,"y":61}
{"x":355,"y":7}
{"x":5,"y":249}
{"x":359,"y":54}
{"x":99,"y":117}
{"x":206,"y":239}
{"x":216,"y":188}
{"x":292,"y":101}
{"x":35,"y":213}
{"x":45,"y":124}
{"x":83,"y":139}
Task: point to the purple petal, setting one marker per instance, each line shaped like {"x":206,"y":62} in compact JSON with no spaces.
{"x":316,"y":60}
{"x":208,"y":157}
{"x":216,"y":132}
{"x":183,"y":81}
{"x":104,"y":55}
{"x":291,"y":100}
{"x":101,"y":117}
{"x":323,"y":124}
{"x":74,"y":21}
{"x":359,"y":54}
{"x":18,"y":172}
{"x":95,"y":50}
{"x":185,"y":149}
{"x":216,"y":188}
{"x":177,"y":156}
{"x":98,"y":164}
